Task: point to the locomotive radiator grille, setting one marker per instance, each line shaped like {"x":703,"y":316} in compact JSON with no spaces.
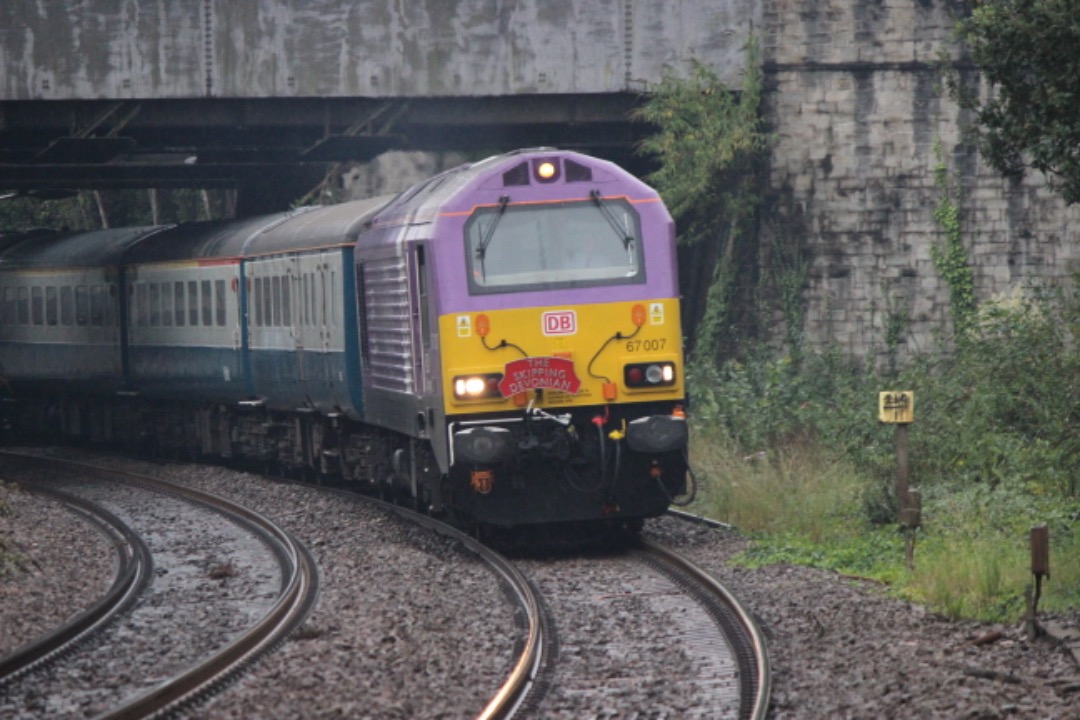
{"x":390,"y":359}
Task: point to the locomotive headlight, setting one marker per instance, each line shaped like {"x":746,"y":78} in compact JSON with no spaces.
{"x":477,"y":387}
{"x":649,"y":375}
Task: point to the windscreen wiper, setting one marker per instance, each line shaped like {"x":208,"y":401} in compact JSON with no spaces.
{"x":613,"y":221}
{"x":489,"y":233}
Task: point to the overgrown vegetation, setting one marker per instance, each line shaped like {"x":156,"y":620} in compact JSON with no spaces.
{"x":798,"y":459}
{"x":787,"y":441}
{"x":1025,"y":117}
{"x":709,"y":142}
{"x":950,"y":256}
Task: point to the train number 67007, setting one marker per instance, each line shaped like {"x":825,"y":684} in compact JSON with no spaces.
{"x":646,"y":345}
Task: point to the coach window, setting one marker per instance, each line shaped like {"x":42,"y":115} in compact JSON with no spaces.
{"x":51,"y":314}
{"x":67,"y":305}
{"x":111,"y":295}
{"x":267,"y":302}
{"x":82,"y":305}
{"x":155,"y":304}
{"x":333,"y":295}
{"x":24,"y":306}
{"x":275,"y":294}
{"x":305,"y":303}
{"x":97,"y":306}
{"x":322,"y":298}
{"x":166,"y":304}
{"x":37,"y":305}
{"x":193,"y":303}
{"x":207,"y":303}
{"x":11,"y":313}
{"x":178,"y":303}
{"x":219,"y":303}
{"x":286,"y":301}
{"x":142,"y":305}
{"x":256,"y":301}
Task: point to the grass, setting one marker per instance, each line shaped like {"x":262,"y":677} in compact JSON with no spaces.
{"x":802,"y":504}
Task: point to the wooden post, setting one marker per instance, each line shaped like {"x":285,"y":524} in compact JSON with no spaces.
{"x":911,"y":521}
{"x":902,"y":501}
{"x":897,"y":407}
{"x":1040,"y":567}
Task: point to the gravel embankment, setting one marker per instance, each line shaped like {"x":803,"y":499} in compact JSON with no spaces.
{"x":840,"y":648}
{"x":399,"y":608}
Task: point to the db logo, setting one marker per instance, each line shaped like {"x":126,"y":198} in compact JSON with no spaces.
{"x":561,"y":322}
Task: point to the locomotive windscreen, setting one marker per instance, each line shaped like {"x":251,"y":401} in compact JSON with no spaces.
{"x":550,"y":245}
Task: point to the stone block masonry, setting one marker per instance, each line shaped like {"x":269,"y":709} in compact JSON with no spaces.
{"x":854,"y":101}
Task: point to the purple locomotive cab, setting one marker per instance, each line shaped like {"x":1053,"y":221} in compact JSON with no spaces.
{"x":546,"y":287}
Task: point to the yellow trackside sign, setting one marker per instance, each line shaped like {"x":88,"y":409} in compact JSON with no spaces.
{"x":896,"y":407}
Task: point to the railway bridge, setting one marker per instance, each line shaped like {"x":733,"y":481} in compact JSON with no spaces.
{"x":264,"y":96}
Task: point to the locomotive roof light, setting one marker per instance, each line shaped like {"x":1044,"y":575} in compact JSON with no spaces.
{"x":547,"y":171}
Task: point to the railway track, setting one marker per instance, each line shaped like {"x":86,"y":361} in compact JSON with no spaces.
{"x":739,"y":630}
{"x":297,"y":572}
{"x":641,"y":628}
{"x":134,"y":565}
{"x":674,"y":588}
{"x":296,"y":595}
{"x":532,"y":651}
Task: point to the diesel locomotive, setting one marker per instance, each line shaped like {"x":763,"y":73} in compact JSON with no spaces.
{"x":500,"y":343}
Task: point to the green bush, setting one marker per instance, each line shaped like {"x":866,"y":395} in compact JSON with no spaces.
{"x":994,"y":447}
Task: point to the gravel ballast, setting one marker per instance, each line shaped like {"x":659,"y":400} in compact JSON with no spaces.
{"x":840,"y":648}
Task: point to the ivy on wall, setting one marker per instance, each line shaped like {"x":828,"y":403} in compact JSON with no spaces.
{"x":950,"y":256}
{"x":710,"y":143}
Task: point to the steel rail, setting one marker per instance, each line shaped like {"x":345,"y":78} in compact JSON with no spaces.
{"x":132,"y":577}
{"x":299,"y":586}
{"x":515,"y":689}
{"x":736,"y":622}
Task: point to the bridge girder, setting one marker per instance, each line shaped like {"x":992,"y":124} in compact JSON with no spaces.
{"x":243,"y":143}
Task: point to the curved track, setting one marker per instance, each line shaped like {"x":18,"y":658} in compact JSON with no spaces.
{"x":533,"y":648}
{"x":133,"y":575}
{"x":740,"y":630}
{"x":297,"y":595}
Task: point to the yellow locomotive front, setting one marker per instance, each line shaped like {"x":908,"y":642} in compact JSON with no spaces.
{"x":561,"y":363}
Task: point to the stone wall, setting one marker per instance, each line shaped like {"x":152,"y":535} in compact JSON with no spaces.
{"x":853,"y":98}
